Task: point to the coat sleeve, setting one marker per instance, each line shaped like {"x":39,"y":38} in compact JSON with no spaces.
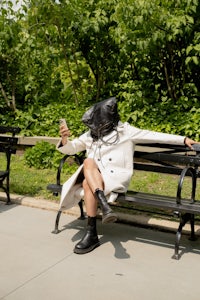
{"x":147,"y":136}
{"x":74,"y":146}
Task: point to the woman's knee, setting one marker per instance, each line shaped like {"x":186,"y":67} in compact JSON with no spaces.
{"x":89,"y":163}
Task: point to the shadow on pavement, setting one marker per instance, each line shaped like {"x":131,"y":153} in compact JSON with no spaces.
{"x":4,"y":207}
{"x":119,"y":234}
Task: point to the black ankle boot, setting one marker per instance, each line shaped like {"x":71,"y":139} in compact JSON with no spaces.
{"x":90,"y":240}
{"x":108,"y":215}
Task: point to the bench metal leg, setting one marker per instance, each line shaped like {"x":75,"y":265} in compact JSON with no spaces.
{"x":8,"y":202}
{"x":192,"y":234}
{"x":56,"y":230}
{"x":6,"y":190}
{"x":183,"y":220}
{"x":177,"y":242}
{"x":82,"y":216}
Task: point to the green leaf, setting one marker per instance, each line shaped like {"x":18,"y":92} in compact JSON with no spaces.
{"x":195,"y":60}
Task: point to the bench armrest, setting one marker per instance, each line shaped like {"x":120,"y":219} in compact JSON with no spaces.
{"x":57,"y":187}
{"x":77,"y":158}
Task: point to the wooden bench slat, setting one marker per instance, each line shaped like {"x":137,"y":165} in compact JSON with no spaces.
{"x":9,"y":129}
{"x":8,"y":140}
{"x":160,"y":201}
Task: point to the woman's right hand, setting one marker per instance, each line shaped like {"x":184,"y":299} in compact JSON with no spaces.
{"x":64,"y":133}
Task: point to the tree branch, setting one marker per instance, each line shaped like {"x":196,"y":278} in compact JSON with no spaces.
{"x":4,"y":95}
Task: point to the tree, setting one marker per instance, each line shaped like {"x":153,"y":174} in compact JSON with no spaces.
{"x":10,"y":57}
{"x":158,"y":35}
{"x":77,"y":52}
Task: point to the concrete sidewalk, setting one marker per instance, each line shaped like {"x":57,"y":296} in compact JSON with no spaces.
{"x":131,"y":263}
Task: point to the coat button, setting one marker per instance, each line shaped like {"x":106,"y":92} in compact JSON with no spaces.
{"x":111,"y":171}
{"x":110,"y":159}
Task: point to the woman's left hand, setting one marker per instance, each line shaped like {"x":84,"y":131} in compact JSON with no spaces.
{"x":189,"y":142}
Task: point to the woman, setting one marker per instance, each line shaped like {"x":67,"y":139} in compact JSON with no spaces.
{"x":108,"y":168}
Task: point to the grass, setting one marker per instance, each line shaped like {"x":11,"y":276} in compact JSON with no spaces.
{"x":29,"y":181}
{"x":163,"y":184}
{"x":33,"y":182}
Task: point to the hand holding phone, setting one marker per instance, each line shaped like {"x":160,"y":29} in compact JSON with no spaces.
{"x":64,"y":131}
{"x":63,"y":122}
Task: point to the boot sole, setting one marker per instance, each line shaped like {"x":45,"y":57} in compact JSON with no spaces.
{"x":84,"y":251}
{"x":110,"y":218}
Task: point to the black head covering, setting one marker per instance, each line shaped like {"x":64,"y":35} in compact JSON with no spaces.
{"x":102,"y":117}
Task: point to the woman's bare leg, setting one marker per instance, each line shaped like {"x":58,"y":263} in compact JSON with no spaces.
{"x":93,"y":188}
{"x":92,"y":175}
{"x":90,"y":200}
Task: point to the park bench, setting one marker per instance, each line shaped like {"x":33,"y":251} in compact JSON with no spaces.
{"x":161,"y":158}
{"x":8,"y":142}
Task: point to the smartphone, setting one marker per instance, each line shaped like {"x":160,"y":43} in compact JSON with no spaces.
{"x":63,"y":122}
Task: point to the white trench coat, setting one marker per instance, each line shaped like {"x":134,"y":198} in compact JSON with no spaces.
{"x":114,"y":157}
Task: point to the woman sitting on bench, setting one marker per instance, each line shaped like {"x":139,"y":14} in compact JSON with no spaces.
{"x":108,"y":168}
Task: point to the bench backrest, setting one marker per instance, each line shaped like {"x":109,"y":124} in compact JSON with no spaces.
{"x":8,"y":138}
{"x":166,"y":158}
{"x":8,"y":141}
{"x":9,"y":129}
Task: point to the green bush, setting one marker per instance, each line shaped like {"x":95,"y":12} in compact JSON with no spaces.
{"x":45,"y":156}
{"x":42,"y":156}
{"x":45,"y":121}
